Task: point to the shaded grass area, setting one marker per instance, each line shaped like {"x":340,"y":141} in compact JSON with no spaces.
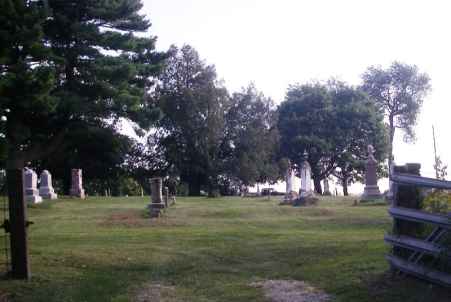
{"x":107,"y":249}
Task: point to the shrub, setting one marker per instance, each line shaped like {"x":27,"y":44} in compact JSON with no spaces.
{"x":438,"y":202}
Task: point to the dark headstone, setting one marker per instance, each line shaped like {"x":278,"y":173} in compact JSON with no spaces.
{"x":371,"y":190}
{"x":157,"y":203}
{"x":76,"y":189}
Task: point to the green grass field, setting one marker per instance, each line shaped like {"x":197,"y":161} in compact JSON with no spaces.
{"x":106,"y":249}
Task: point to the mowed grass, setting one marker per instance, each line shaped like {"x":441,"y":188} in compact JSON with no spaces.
{"x":107,"y":249}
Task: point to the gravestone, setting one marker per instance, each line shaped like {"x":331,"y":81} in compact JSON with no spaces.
{"x":46,"y":189}
{"x":76,"y":189}
{"x":289,"y":179}
{"x":31,"y":186}
{"x":157,"y":203}
{"x":290,"y":194}
{"x":326,"y":187}
{"x":306,"y":177}
{"x":371,"y":190}
{"x":306,"y":195}
{"x":166,"y":196}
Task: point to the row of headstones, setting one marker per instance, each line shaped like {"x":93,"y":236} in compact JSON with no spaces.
{"x":46,"y":190}
{"x":305,"y":193}
{"x":159,"y":201}
{"x":371,"y":190}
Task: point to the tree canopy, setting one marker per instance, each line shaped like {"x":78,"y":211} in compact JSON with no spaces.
{"x":333,"y":122}
{"x":191,"y":130}
{"x":399,"y":92}
{"x":71,"y":71}
{"x":79,"y":62}
{"x":252,"y":138}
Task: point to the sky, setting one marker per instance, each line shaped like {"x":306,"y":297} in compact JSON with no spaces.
{"x":277,"y":43}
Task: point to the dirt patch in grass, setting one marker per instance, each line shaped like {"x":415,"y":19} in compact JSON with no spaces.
{"x":291,"y":291}
{"x":137,"y":218}
{"x":154,"y":292}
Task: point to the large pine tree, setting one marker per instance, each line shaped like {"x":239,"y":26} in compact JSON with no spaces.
{"x":71,"y":63}
{"x":65,"y":66}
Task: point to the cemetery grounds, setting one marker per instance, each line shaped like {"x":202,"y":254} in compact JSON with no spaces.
{"x":107,"y":249}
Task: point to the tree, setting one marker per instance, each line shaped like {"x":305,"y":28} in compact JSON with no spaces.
{"x":360,"y":124}
{"x":399,"y":92}
{"x":64,"y":64}
{"x":100,"y":152}
{"x":83,"y":64}
{"x":304,"y":125}
{"x":441,"y":169}
{"x":251,"y":142}
{"x":191,"y":130}
{"x":26,"y":80}
{"x":334,"y":123}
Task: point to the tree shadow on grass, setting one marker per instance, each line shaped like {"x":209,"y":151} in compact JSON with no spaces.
{"x":397,"y":287}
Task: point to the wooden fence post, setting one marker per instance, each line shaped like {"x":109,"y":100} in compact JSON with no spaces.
{"x":20,"y":267}
{"x":407,"y":196}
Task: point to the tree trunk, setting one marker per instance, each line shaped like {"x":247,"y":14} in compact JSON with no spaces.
{"x":194,"y":186}
{"x":317,"y":185}
{"x":344,"y":183}
{"x":391,"y":137}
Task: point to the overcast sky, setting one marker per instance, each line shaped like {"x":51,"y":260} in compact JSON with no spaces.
{"x":277,"y":43}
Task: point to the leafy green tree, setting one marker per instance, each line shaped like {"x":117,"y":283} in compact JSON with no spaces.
{"x":399,"y":91}
{"x":64,"y":64}
{"x":77,"y":65}
{"x":251,"y":143}
{"x":334,"y":123}
{"x":306,"y":124}
{"x":146,"y":160}
{"x":360,"y":124}
{"x":26,"y":80}
{"x":191,"y":130}
{"x":100,"y":152}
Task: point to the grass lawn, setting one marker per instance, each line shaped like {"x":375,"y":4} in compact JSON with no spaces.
{"x":106,"y":249}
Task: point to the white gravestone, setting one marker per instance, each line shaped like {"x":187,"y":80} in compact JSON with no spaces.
{"x":289,"y":180}
{"x":306,"y":177}
{"x":76,"y":189}
{"x":326,"y":187}
{"x":31,"y":184}
{"x":46,"y":189}
{"x":290,"y":194}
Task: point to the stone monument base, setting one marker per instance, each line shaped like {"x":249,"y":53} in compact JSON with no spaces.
{"x":79,"y":193}
{"x":32,"y":199}
{"x":371,"y":193}
{"x":306,"y":200}
{"x":289,"y":198}
{"x":47,"y":193}
{"x":32,"y":196}
{"x":155,"y":209}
